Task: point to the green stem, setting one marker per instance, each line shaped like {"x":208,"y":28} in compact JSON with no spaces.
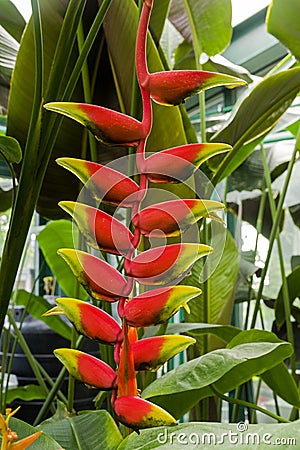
{"x":236,"y":401}
{"x":5,"y":340}
{"x":71,"y":384}
{"x":258,"y":229}
{"x":51,"y":395}
{"x":236,"y":407}
{"x":274,"y":231}
{"x":55,"y":389}
{"x":253,"y":418}
{"x":31,"y":360}
{"x":285,"y":290}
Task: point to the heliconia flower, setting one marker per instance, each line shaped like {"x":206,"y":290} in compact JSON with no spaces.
{"x":151,"y":353}
{"x":127,"y":384}
{"x":173,"y":87}
{"x":179,"y":163}
{"x":108,"y":126}
{"x":138,"y":413}
{"x":24,"y":443}
{"x":162,"y":265}
{"x":9,"y":437}
{"x":101,"y":230}
{"x":104,"y":183}
{"x":158,"y":305}
{"x":174,"y":216}
{"x":99,"y":278}
{"x":132,"y":335}
{"x":88,"y":369}
{"x":88,"y":319}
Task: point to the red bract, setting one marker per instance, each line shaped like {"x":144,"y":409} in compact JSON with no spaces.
{"x":100,"y":279}
{"x":158,"y":305}
{"x":88,"y":369}
{"x":162,"y":265}
{"x":179,"y":163}
{"x":173,"y":217}
{"x":108,"y":126}
{"x":172,"y":88}
{"x":104,"y":183}
{"x":151,"y":353}
{"x":88,"y":320}
{"x":101,"y":230}
{"x":138,"y":413}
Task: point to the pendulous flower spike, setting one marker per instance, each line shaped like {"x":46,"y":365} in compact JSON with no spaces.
{"x":151,"y":353}
{"x":101,"y":230}
{"x":158,"y":305}
{"x":177,"y":164}
{"x":88,"y":320}
{"x":163,"y":265}
{"x":99,"y":278}
{"x":104,"y":183}
{"x":138,"y":413}
{"x":173,"y":87}
{"x":88,"y":369}
{"x":108,"y":126}
{"x":174,"y":217}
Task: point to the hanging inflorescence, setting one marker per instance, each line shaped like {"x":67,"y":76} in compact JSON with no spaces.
{"x":161,"y":266}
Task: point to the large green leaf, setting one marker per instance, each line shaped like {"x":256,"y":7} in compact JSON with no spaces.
{"x":224,"y":332}
{"x":180,"y":389}
{"x":57,"y":182}
{"x":36,"y":306}
{"x":90,"y":430}
{"x":278,"y":378}
{"x":220,"y":284}
{"x":255,"y":117}
{"x":282,"y":21}
{"x":59,"y":234}
{"x":210,"y":20}
{"x":214,"y":435}
{"x":11,"y":19}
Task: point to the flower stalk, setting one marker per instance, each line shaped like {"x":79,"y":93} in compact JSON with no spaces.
{"x":162,"y":266}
